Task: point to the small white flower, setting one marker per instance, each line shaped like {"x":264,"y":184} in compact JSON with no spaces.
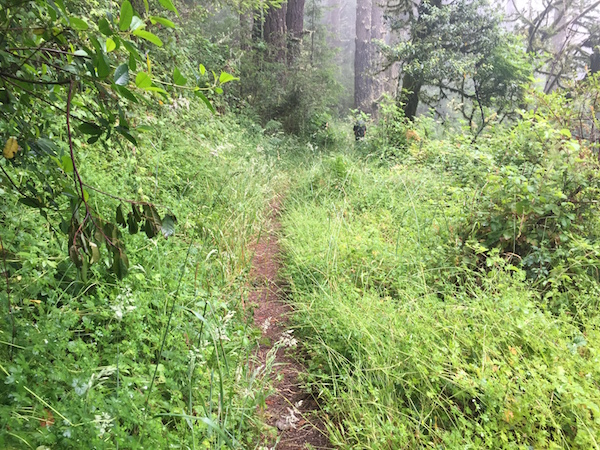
{"x":103,"y":423}
{"x":287,"y":340}
{"x":266,"y":324}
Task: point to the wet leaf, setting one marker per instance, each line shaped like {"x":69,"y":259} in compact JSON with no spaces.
{"x":122,"y":75}
{"x":168,"y":225}
{"x":120,"y":218}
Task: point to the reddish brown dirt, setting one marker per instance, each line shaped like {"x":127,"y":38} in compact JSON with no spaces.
{"x":290,"y":411}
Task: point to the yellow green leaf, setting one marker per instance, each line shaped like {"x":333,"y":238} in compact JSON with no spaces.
{"x":11,"y":148}
{"x":110,"y":45}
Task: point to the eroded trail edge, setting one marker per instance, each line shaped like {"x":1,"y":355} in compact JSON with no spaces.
{"x":290,"y":410}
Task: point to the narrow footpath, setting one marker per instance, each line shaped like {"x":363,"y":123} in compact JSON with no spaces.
{"x":290,"y":410}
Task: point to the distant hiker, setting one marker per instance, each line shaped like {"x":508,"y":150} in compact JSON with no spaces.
{"x":360,"y":129}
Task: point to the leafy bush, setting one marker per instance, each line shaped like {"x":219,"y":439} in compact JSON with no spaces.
{"x":538,"y":202}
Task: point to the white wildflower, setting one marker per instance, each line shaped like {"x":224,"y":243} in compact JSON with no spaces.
{"x":103,"y":423}
{"x":266,"y":324}
{"x":287,"y":340}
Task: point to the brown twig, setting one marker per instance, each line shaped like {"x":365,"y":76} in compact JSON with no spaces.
{"x":78,"y":181}
{"x":23,"y":80}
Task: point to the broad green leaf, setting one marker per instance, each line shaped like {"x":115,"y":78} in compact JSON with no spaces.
{"x":66,"y":164}
{"x":104,"y":27}
{"x":136,"y":23}
{"x":178,"y":77}
{"x":202,"y":69}
{"x":206,"y":101}
{"x":125,"y":133}
{"x":146,"y":6}
{"x":143,"y":80}
{"x":132,"y":63}
{"x":168,"y":225}
{"x":46,"y":145}
{"x":566,"y":133}
{"x":218,"y":90}
{"x":110,"y":45}
{"x":120,"y":263}
{"x":126,"y":15}
{"x":149,"y":229}
{"x":132,"y":49}
{"x":78,"y":24}
{"x":124,"y":92}
{"x":102,"y":67}
{"x":122,"y":75}
{"x":166,"y":22}
{"x":81,"y":53}
{"x":168,"y":4}
{"x":148,"y":36}
{"x":119,"y":217}
{"x":32,"y":202}
{"x":89,"y":128}
{"x":150,"y":213}
{"x":156,"y":89}
{"x":226,"y":78}
{"x":144,"y":128}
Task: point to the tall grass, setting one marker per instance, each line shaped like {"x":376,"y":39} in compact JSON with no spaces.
{"x":411,"y":347}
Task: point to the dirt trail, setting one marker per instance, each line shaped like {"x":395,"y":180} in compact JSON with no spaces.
{"x":290,"y":410}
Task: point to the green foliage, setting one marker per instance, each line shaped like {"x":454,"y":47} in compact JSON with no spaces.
{"x":392,"y":135}
{"x":53,"y":62}
{"x":450,"y":299}
{"x":538,"y":200}
{"x":459,"y":50}
{"x":78,"y":357}
{"x":297,"y":97}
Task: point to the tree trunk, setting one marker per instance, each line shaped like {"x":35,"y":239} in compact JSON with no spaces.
{"x":294,"y":20}
{"x":409,"y":96}
{"x":362,"y":80}
{"x":274,"y":31}
{"x":376,"y":61}
{"x":595,"y":61}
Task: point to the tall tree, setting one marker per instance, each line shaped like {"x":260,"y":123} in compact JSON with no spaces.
{"x":456,"y":48}
{"x":295,"y":26}
{"x":274,"y":30}
{"x":362,"y":58}
{"x":376,"y":62}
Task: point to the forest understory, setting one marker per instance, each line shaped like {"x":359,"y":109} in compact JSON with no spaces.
{"x":204,"y":246}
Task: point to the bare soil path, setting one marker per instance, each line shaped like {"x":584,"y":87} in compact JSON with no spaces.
{"x":290,"y":410}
